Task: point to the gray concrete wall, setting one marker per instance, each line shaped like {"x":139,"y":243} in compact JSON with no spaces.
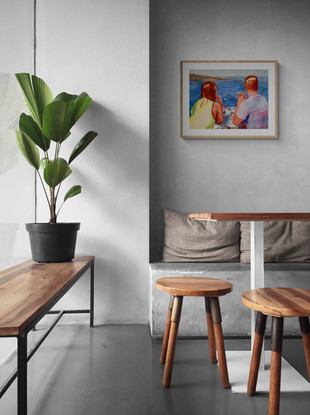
{"x":228,"y":175}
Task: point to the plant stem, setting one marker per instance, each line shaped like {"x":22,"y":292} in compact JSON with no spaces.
{"x":44,"y":188}
{"x":60,"y":208}
{"x":56,"y":197}
{"x":53,"y":216}
{"x":57,"y":150}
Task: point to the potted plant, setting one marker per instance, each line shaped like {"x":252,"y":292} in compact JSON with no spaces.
{"x":40,"y":138}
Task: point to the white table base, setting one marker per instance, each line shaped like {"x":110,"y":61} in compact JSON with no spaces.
{"x":238,"y":363}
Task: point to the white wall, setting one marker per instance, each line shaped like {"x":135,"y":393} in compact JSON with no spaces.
{"x":228,"y":175}
{"x":16,"y":181}
{"x":100,"y":47}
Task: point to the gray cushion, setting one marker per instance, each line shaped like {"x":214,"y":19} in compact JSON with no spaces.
{"x":283,"y":241}
{"x":190,"y":240}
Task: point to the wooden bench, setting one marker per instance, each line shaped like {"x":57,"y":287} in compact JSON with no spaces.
{"x":28,"y":291}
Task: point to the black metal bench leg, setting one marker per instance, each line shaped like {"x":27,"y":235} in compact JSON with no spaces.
{"x":22,"y":374}
{"x":92,"y":286}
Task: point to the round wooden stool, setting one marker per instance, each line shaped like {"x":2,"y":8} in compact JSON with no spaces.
{"x":211,"y":289}
{"x":278,"y":303}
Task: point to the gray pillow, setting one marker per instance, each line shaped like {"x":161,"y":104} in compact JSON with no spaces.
{"x":190,"y":240}
{"x":283,"y":241}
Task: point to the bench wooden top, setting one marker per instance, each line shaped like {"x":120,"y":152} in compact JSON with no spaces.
{"x":29,"y":288}
{"x":279,"y":302}
{"x":194,"y":286}
{"x":251,"y":216}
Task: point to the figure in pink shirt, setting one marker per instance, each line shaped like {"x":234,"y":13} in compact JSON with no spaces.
{"x":251,"y":112}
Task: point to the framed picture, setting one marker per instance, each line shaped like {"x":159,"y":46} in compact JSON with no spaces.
{"x":229,"y":99}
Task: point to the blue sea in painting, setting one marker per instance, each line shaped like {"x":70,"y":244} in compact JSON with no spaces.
{"x":228,"y":90}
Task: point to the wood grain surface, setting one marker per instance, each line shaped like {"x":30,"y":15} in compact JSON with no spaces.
{"x":29,"y":288}
{"x":251,"y":216}
{"x":279,"y":301}
{"x":194,"y":286}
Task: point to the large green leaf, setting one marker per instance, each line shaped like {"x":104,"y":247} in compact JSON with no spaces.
{"x":75,"y":190}
{"x":82,"y":102}
{"x":61,"y":115}
{"x":37,"y":95}
{"x":28,"y":148}
{"x":44,"y":162}
{"x":42,"y":93}
{"x":31,"y":128}
{"x":82,"y":144}
{"x":56,"y":171}
{"x":24,"y":81}
{"x":64,"y":96}
{"x":58,"y":120}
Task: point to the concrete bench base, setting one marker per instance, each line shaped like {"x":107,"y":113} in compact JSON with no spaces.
{"x":236,"y":317}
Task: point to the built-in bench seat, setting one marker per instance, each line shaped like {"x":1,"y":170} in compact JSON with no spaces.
{"x":236,"y":317}
{"x":222,"y":250}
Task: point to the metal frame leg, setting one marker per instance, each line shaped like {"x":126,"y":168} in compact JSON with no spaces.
{"x":92,"y":290}
{"x":22,"y":374}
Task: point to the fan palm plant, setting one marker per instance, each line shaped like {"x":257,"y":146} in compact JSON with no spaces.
{"x":49,"y":122}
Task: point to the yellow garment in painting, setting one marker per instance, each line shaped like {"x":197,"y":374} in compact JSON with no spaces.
{"x":201,"y":114}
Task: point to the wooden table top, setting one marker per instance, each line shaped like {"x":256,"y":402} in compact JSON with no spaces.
{"x":279,"y":301}
{"x":194,"y":286}
{"x":29,"y":288}
{"x":257,"y":217}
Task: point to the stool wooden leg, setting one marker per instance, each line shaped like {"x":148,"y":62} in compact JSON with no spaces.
{"x":275,"y":365}
{"x":256,"y":352}
{"x":217,"y":324}
{"x":175,"y":319}
{"x":305,"y":331}
{"x":211,"y":336}
{"x":167,"y":331}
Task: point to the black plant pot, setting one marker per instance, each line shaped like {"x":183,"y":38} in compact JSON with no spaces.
{"x":52,"y":242}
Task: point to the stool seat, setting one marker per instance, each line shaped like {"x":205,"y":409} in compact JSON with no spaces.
{"x":194,"y":286}
{"x":279,"y":301}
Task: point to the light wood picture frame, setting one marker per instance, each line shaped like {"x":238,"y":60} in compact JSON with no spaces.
{"x":210,"y":104}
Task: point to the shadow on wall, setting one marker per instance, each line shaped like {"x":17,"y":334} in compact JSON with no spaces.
{"x":7,"y":243}
{"x":120,"y":295}
{"x":12,"y":105}
{"x":116,"y":225}
{"x":120,"y":157}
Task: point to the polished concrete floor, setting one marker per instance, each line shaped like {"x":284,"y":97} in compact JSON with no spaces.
{"x":115,"y":370}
